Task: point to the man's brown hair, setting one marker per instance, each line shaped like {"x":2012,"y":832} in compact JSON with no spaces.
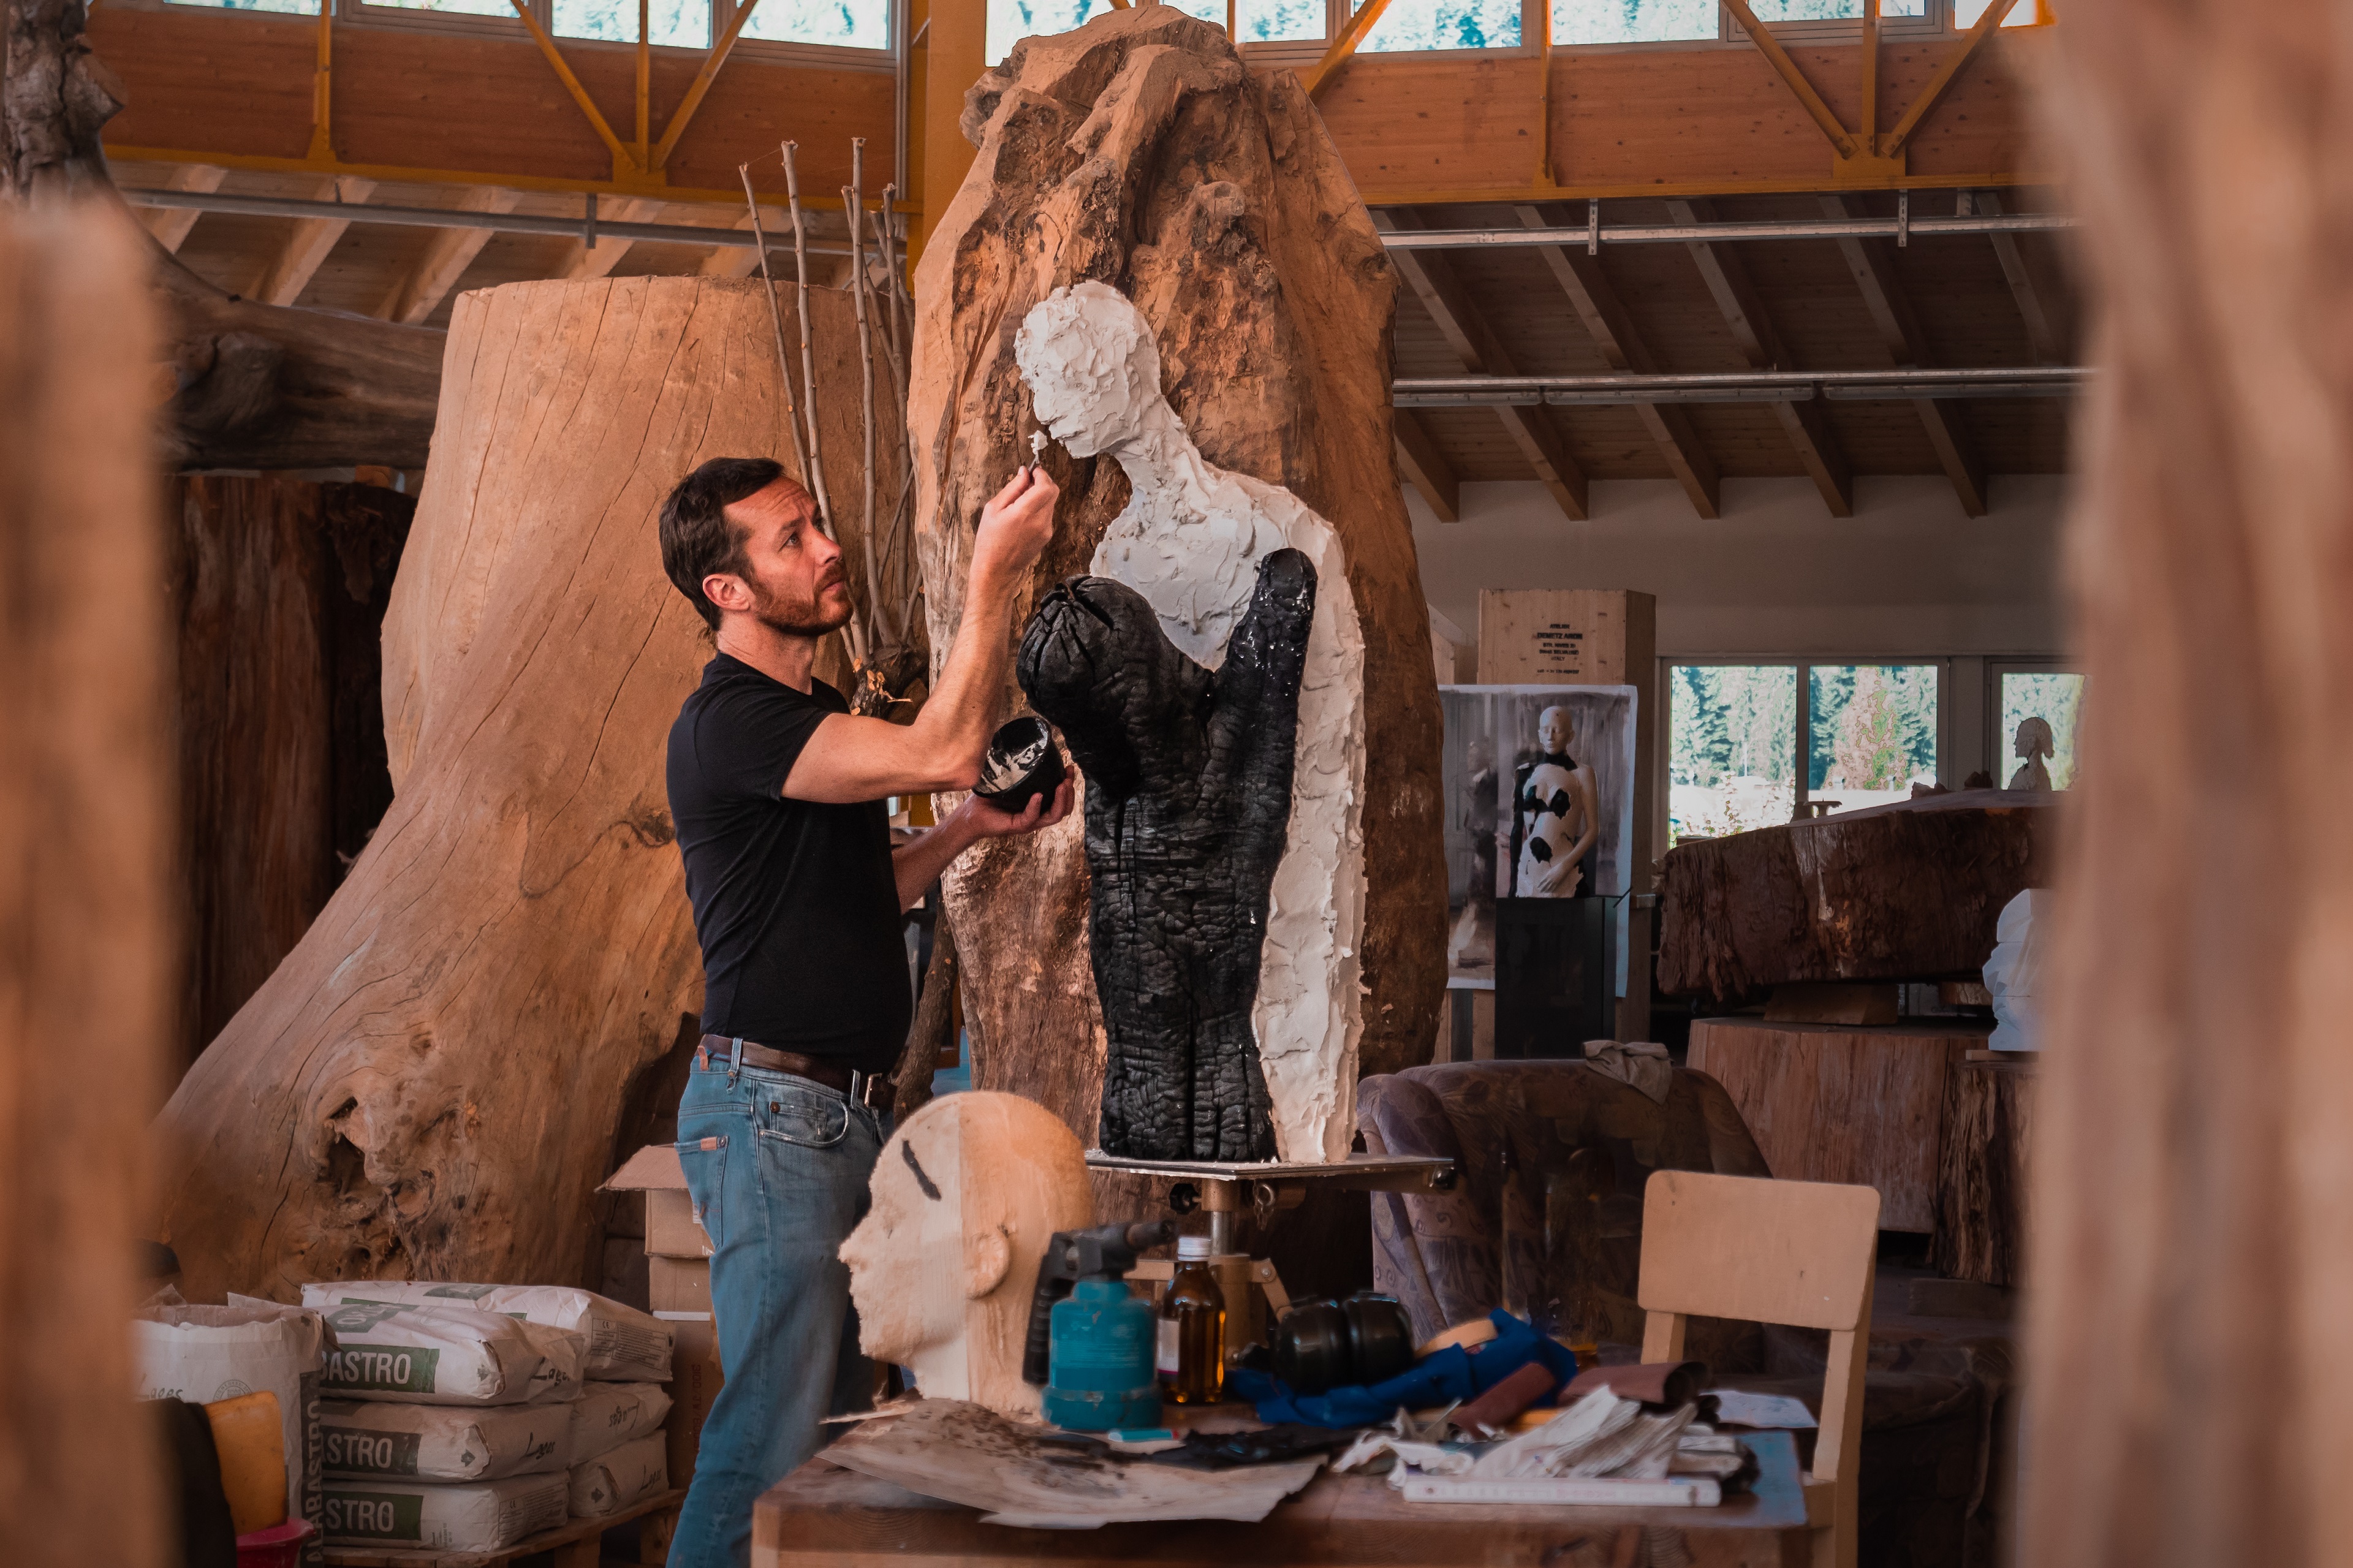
{"x":696,"y":537}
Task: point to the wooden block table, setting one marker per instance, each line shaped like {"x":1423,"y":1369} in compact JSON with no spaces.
{"x":822,"y":1513}
{"x":1834,"y":1102}
{"x":1988,"y":1134}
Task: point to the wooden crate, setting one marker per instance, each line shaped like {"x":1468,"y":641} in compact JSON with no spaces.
{"x":577,"y":1545}
{"x":1833,"y":1102}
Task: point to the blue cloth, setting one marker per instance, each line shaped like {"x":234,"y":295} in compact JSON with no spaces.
{"x":780,"y":1191}
{"x":1437,"y":1379}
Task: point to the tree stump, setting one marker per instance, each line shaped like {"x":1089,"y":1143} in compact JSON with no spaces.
{"x":1982,"y":1165}
{"x":1136,"y":151}
{"x":434,"y":1081}
{"x":87,"y":915}
{"x":1907,"y":891}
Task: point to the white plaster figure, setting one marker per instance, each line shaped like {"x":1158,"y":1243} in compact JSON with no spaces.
{"x":1190,"y":541}
{"x":1559,"y":819}
{"x":2033,"y":743}
{"x":965,"y":1197}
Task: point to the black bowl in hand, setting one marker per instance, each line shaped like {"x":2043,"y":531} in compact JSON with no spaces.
{"x":1023,"y":762}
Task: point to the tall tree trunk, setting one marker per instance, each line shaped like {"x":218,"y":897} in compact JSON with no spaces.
{"x":432,"y":1083}
{"x":255,"y":386}
{"x":1214,"y":201}
{"x":2192,"y":1253}
{"x":86,"y":944}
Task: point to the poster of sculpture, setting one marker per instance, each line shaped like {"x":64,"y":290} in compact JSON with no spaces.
{"x":1540,"y":804}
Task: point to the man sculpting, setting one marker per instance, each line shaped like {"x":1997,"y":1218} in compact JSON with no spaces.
{"x":776,"y":791}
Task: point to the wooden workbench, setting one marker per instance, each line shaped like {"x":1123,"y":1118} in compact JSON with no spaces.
{"x":822,"y":1513}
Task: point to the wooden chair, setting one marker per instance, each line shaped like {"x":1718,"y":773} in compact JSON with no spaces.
{"x":1798,"y":1253}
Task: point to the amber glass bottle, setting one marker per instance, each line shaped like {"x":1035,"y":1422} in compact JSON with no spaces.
{"x":1193,"y":1328}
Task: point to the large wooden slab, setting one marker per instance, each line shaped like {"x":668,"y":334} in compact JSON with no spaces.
{"x":1907,"y":891}
{"x":1833,"y":1102}
{"x":824,"y":1514}
{"x":1981,"y":1171}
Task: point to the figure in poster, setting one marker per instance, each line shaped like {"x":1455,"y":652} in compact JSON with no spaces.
{"x":1471,"y":945}
{"x":1555,"y":817}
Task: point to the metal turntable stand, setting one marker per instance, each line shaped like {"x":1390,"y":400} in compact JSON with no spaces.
{"x":1263,"y":1188}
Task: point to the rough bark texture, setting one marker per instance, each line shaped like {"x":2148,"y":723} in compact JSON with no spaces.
{"x":2193,"y":1175}
{"x":279,"y":588}
{"x":434,"y":1081}
{"x":1188,"y":792}
{"x":85,"y":911}
{"x":1981,"y":1172}
{"x":1908,"y":891}
{"x":1135,"y":150}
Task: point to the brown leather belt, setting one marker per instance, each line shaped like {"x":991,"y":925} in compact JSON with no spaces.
{"x":719,"y":1050}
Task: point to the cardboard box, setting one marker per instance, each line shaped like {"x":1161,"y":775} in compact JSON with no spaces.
{"x":695,"y":1376}
{"x":679,"y":1284}
{"x":672,"y":1230}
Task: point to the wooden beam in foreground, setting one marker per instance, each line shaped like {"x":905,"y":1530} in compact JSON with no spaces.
{"x":289,"y":272}
{"x":1614,"y":333}
{"x":1474,"y":342}
{"x":1425,"y":466}
{"x":447,"y":253}
{"x":170,"y":226}
{"x":1873,"y":269}
{"x":1753,"y":332}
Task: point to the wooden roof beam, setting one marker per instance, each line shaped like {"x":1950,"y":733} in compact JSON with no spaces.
{"x":1426,"y":465}
{"x":289,"y":272}
{"x":1612,"y":327}
{"x":447,"y":253}
{"x":1342,"y":49}
{"x":585,"y":261}
{"x":1434,"y":281}
{"x":1805,"y":424}
{"x":2039,"y":301}
{"x":1873,"y":267}
{"x":170,"y":226}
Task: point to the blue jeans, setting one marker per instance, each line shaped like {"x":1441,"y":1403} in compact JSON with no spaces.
{"x":779,"y":1187}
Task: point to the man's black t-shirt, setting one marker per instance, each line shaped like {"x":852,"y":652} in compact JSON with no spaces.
{"x":795,"y":902}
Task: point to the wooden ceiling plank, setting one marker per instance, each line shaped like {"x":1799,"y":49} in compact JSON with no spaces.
{"x":2039,"y":301}
{"x":170,"y":226}
{"x":1426,"y":466}
{"x":1871,"y":264}
{"x":1434,"y":281}
{"x":586,"y":261}
{"x":1753,"y":332}
{"x":289,"y":272}
{"x":1615,"y":333}
{"x":447,"y":256}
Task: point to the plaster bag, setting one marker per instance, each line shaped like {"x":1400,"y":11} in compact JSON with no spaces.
{"x":449,"y":1355}
{"x":607,"y":1414}
{"x":442,"y":1442}
{"x":625,"y":1345}
{"x":482,"y":1516}
{"x":204,"y":1354}
{"x":630,"y":1473}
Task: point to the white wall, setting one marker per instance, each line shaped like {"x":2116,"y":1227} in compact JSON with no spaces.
{"x":1909,"y":575}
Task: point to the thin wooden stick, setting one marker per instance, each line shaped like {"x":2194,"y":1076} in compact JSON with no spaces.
{"x":777,"y":320}
{"x":886,"y":248}
{"x":853,"y":206}
{"x":808,"y":364}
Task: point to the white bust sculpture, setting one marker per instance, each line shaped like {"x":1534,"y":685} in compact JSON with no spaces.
{"x":965,"y":1196}
{"x":1190,"y":541}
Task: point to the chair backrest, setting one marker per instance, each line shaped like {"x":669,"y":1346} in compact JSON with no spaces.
{"x":1798,"y":1253}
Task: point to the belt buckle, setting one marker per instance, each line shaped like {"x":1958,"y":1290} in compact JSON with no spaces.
{"x":861,"y":1088}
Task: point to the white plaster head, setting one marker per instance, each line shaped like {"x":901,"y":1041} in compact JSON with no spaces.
{"x":1553,"y":731}
{"x":1091,"y":364}
{"x":964,"y":1199}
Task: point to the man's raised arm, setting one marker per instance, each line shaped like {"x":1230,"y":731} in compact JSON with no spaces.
{"x":849,"y":758}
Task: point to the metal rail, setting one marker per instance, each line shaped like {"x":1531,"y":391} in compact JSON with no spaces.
{"x":588,"y":228}
{"x":1737,"y":387}
{"x":1590,"y":236}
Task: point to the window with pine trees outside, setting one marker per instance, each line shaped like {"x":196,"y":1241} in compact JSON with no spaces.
{"x":1870,"y":732}
{"x":1733,"y":761}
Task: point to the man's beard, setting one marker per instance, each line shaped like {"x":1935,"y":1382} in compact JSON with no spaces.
{"x":799,"y":618}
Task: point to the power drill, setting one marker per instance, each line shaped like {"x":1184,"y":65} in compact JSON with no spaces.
{"x":1091,"y":1342}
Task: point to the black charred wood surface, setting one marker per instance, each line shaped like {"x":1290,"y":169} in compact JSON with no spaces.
{"x":1907,"y":891}
{"x":1188,"y":794}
